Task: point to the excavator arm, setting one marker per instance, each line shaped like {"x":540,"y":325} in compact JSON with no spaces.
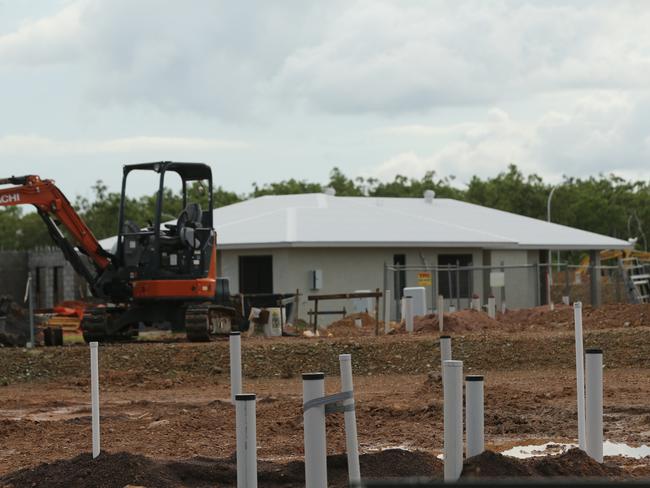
{"x":55,"y":209}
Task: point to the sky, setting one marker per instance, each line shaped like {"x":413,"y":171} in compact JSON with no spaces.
{"x":266,"y":91}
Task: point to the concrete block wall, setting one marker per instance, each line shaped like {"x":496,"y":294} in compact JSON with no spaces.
{"x":47,"y":260}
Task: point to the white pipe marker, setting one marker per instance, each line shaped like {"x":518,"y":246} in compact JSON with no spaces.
{"x":492,"y":307}
{"x":408,"y":313}
{"x":94,"y":397}
{"x":235,"y":365}
{"x":351,"y":440}
{"x":445,"y":352}
{"x":246,"y":426}
{"x":580,"y":374}
{"x":453,"y":419}
{"x":474,"y":413}
{"x":440,"y":309}
{"x":313,"y":386}
{"x":594,"y":384}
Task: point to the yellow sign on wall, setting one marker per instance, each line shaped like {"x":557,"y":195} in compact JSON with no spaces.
{"x":424,"y":279}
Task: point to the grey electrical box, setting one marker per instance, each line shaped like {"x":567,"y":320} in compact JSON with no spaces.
{"x":316,"y":279}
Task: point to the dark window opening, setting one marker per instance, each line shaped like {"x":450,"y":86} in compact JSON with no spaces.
{"x":400,"y":276}
{"x":38,"y":288}
{"x":57,"y":285}
{"x":449,"y":279}
{"x":255,"y":274}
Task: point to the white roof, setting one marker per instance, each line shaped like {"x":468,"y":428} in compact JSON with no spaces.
{"x":320,"y":220}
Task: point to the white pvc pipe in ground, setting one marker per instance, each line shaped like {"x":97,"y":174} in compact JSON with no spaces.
{"x":445,"y":352}
{"x":246,"y":440}
{"x":476,"y":303}
{"x":566,"y":300}
{"x":492,"y":308}
{"x":351,"y":441}
{"x":594,"y":410}
{"x":235,"y":365}
{"x":387,"y":312}
{"x":580,"y":373}
{"x":408,"y":314}
{"x":474,"y":416}
{"x":94,"y":397}
{"x":313,"y":386}
{"x":440,"y":309}
{"x":453,"y":419}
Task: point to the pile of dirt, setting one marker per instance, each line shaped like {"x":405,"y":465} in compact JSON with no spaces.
{"x":117,"y":470}
{"x":604,"y":317}
{"x":571,"y":464}
{"x":462,"y":321}
{"x":347,"y":326}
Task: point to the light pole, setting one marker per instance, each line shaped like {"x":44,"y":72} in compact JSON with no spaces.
{"x":549,"y":269}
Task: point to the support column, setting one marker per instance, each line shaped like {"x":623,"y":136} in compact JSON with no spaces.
{"x":594,"y":278}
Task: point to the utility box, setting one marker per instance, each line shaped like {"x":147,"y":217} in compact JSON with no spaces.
{"x":315,"y":279}
{"x":419,"y":303}
{"x":361,"y":305}
{"x":497,"y":279}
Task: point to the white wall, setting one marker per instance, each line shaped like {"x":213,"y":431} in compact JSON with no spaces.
{"x":344,"y":270}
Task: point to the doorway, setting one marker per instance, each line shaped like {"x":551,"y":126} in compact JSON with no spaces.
{"x":255,"y":274}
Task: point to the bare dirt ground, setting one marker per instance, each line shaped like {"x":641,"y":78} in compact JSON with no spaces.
{"x":170,"y":402}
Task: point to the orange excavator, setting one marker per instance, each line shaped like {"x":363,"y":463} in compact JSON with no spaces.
{"x":162,"y":273}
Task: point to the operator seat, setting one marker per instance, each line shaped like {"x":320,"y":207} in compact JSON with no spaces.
{"x":188,"y":221}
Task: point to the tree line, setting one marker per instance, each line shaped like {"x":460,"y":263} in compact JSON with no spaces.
{"x":606,"y":204}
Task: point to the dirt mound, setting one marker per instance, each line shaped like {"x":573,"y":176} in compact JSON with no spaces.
{"x":462,"y":321}
{"x":490,"y":464}
{"x":604,"y":317}
{"x":117,"y":470}
{"x":571,"y":464}
{"x":346,"y":327}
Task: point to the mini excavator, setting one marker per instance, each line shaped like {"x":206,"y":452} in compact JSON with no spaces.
{"x":156,"y":274}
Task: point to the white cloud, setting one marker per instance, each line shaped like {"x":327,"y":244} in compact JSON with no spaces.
{"x":600,"y":132}
{"x":34,"y":145}
{"x":50,"y":40}
{"x":236,"y":59}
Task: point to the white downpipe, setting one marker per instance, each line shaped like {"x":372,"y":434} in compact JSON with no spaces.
{"x":474,"y":422}
{"x":246,"y":441}
{"x":492,"y":308}
{"x":580,"y":373}
{"x":351,"y":440}
{"x":594,"y":384}
{"x":387,"y":312}
{"x":235,"y":365}
{"x":440,"y":308}
{"x":445,"y":352}
{"x":94,"y":397}
{"x":313,"y":386}
{"x":408,"y":313}
{"x":453,"y":419}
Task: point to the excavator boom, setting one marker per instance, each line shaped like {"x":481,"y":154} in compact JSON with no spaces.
{"x":55,"y":209}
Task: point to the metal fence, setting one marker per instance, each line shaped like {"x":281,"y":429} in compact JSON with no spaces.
{"x":518,"y":285}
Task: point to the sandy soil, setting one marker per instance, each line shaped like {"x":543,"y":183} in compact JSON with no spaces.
{"x":170,"y":401}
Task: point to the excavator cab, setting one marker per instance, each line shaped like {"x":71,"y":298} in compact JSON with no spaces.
{"x":166,"y":250}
